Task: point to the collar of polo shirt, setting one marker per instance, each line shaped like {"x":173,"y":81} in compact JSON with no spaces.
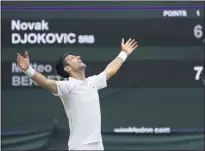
{"x":77,"y":80}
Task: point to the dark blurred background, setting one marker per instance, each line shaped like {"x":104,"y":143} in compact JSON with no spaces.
{"x":156,"y":101}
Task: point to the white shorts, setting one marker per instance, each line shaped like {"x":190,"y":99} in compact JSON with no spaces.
{"x":91,"y":146}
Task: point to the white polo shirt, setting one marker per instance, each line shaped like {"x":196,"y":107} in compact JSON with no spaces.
{"x":81,"y":102}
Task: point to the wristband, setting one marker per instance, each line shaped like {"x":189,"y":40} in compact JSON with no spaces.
{"x":122,"y":55}
{"x":30,"y":72}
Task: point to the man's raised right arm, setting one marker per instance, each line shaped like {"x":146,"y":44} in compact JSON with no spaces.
{"x":41,"y":80}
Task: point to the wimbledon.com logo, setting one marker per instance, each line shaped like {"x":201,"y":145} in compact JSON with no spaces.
{"x":37,"y":33}
{"x":142,"y":130}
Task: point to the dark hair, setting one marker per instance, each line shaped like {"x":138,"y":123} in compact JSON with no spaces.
{"x":61,"y":63}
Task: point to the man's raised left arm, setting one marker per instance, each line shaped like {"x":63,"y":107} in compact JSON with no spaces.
{"x":127,"y":49}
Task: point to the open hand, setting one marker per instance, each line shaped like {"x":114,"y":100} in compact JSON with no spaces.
{"x":129,"y":46}
{"x":23,"y":62}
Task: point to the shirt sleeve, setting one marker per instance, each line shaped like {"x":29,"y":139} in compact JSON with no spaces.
{"x":63,"y":88}
{"x":99,"y":80}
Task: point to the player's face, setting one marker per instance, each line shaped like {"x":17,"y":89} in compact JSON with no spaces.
{"x":75,"y":63}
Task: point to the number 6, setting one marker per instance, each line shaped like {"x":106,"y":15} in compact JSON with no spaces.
{"x":198,"y":33}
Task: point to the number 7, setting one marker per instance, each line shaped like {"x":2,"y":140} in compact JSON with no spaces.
{"x":198,"y":70}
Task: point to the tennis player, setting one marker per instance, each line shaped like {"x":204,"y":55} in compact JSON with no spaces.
{"x":79,"y":94}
